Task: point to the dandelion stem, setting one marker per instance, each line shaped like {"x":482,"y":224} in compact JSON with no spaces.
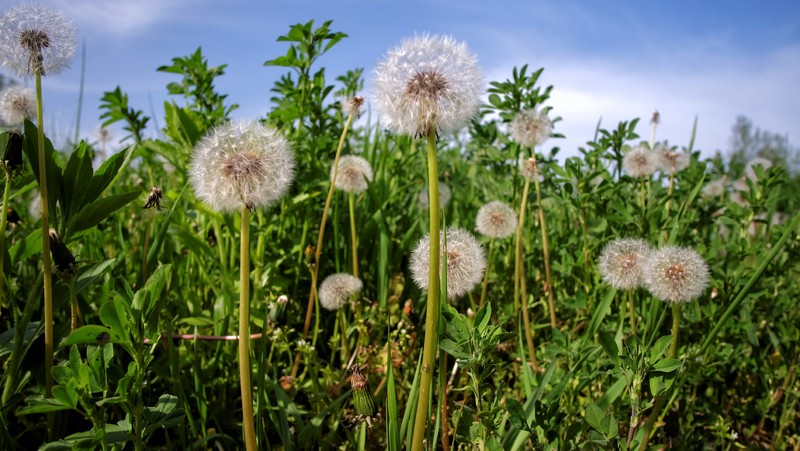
{"x":353,"y":235}
{"x":519,"y":276}
{"x":545,"y":247}
{"x":146,"y":249}
{"x":632,"y":311}
{"x":47,"y":271}
{"x":3,"y":225}
{"x":432,"y":311}
{"x":660,"y":399}
{"x":486,"y":274}
{"x":244,"y":334}
{"x":73,"y":303}
{"x":320,"y":236}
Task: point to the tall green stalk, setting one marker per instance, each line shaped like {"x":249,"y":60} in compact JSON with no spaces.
{"x":660,"y":399}
{"x":432,"y":310}
{"x":47,"y":271}
{"x":353,"y":235}
{"x":519,"y":276}
{"x":3,"y":225}
{"x":545,"y":246}
{"x":244,"y":334}
{"x":485,"y":284}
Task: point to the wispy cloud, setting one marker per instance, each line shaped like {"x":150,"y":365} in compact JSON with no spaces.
{"x":119,"y":17}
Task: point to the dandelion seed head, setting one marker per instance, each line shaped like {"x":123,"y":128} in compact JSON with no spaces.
{"x":444,"y":196}
{"x":622,"y":260}
{"x":496,"y":220}
{"x":676,"y":274}
{"x":351,"y":106}
{"x":640,"y":162}
{"x":35,"y":39}
{"x":531,"y":128}
{"x":427,"y":84}
{"x":465,"y":259}
{"x":670,"y":160}
{"x":715,"y":188}
{"x":749,"y":170}
{"x":337,"y":290}
{"x":241,"y":164}
{"x":353,"y":174}
{"x":17,"y":103}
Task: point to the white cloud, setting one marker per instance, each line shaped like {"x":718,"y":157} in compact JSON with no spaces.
{"x":716,"y":88}
{"x":119,"y":17}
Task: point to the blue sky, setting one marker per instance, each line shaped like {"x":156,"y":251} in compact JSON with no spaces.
{"x":615,"y":59}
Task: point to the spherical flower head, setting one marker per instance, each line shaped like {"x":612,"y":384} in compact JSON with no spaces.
{"x":428,"y":84}
{"x":749,"y":170}
{"x":715,"y":188}
{"x":241,"y":164}
{"x":17,"y":103}
{"x":670,"y":160}
{"x":444,"y":196}
{"x":622,"y":260}
{"x":529,"y":168}
{"x":640,"y":161}
{"x":35,"y":39}
{"x":496,"y":220}
{"x":337,"y":290}
{"x":351,"y":106}
{"x":353,"y":174}
{"x":465,"y":260}
{"x":531,"y":128}
{"x":676,"y":274}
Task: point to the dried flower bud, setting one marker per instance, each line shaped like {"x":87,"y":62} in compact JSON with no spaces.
{"x":63,"y":260}
{"x":12,"y":154}
{"x":363,"y":401}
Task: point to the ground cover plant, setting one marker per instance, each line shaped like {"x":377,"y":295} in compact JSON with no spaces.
{"x":317,"y":279}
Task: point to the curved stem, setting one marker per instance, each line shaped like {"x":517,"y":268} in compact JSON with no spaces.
{"x":545,"y":246}
{"x":244,"y":334}
{"x":486,"y":274}
{"x":318,"y":250}
{"x":47,"y":271}
{"x":353,"y":235}
{"x":432,"y":311}
{"x":3,"y":225}
{"x":660,"y":399}
{"x":520,"y":277}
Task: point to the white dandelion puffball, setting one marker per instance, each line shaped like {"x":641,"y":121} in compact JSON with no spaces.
{"x":351,"y":106}
{"x":17,"y":103}
{"x":353,"y":174}
{"x":531,"y":128}
{"x":35,"y":39}
{"x":671,"y":161}
{"x":622,"y":260}
{"x":337,"y":290}
{"x":241,"y":164}
{"x":496,"y":220}
{"x":444,"y":196}
{"x":465,"y":260}
{"x":758,"y":161}
{"x":640,"y":162}
{"x":676,"y":274}
{"x":428,"y":84}
{"x":715,"y":188}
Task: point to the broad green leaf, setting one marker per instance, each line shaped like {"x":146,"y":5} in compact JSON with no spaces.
{"x":91,"y":215}
{"x":90,"y":334}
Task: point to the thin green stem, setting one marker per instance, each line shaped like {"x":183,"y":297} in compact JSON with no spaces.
{"x":244,"y":334}
{"x":146,"y":249}
{"x":47,"y":270}
{"x":485,"y":287}
{"x":660,"y":399}
{"x":632,"y":311}
{"x":545,"y":247}
{"x":73,"y":304}
{"x":519,"y":276}
{"x":432,"y":310}
{"x":3,"y":225}
{"x":353,"y":235}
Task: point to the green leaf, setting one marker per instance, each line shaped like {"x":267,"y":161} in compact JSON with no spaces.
{"x":166,"y":413}
{"x":93,"y":213}
{"x":659,"y":347}
{"x":90,"y":334}
{"x":667,"y":365}
{"x":595,"y":416}
{"x":74,"y":186}
{"x":105,"y":174}
{"x":38,"y":404}
{"x":609,"y":346}
{"x":115,"y":314}
{"x":66,"y":395}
